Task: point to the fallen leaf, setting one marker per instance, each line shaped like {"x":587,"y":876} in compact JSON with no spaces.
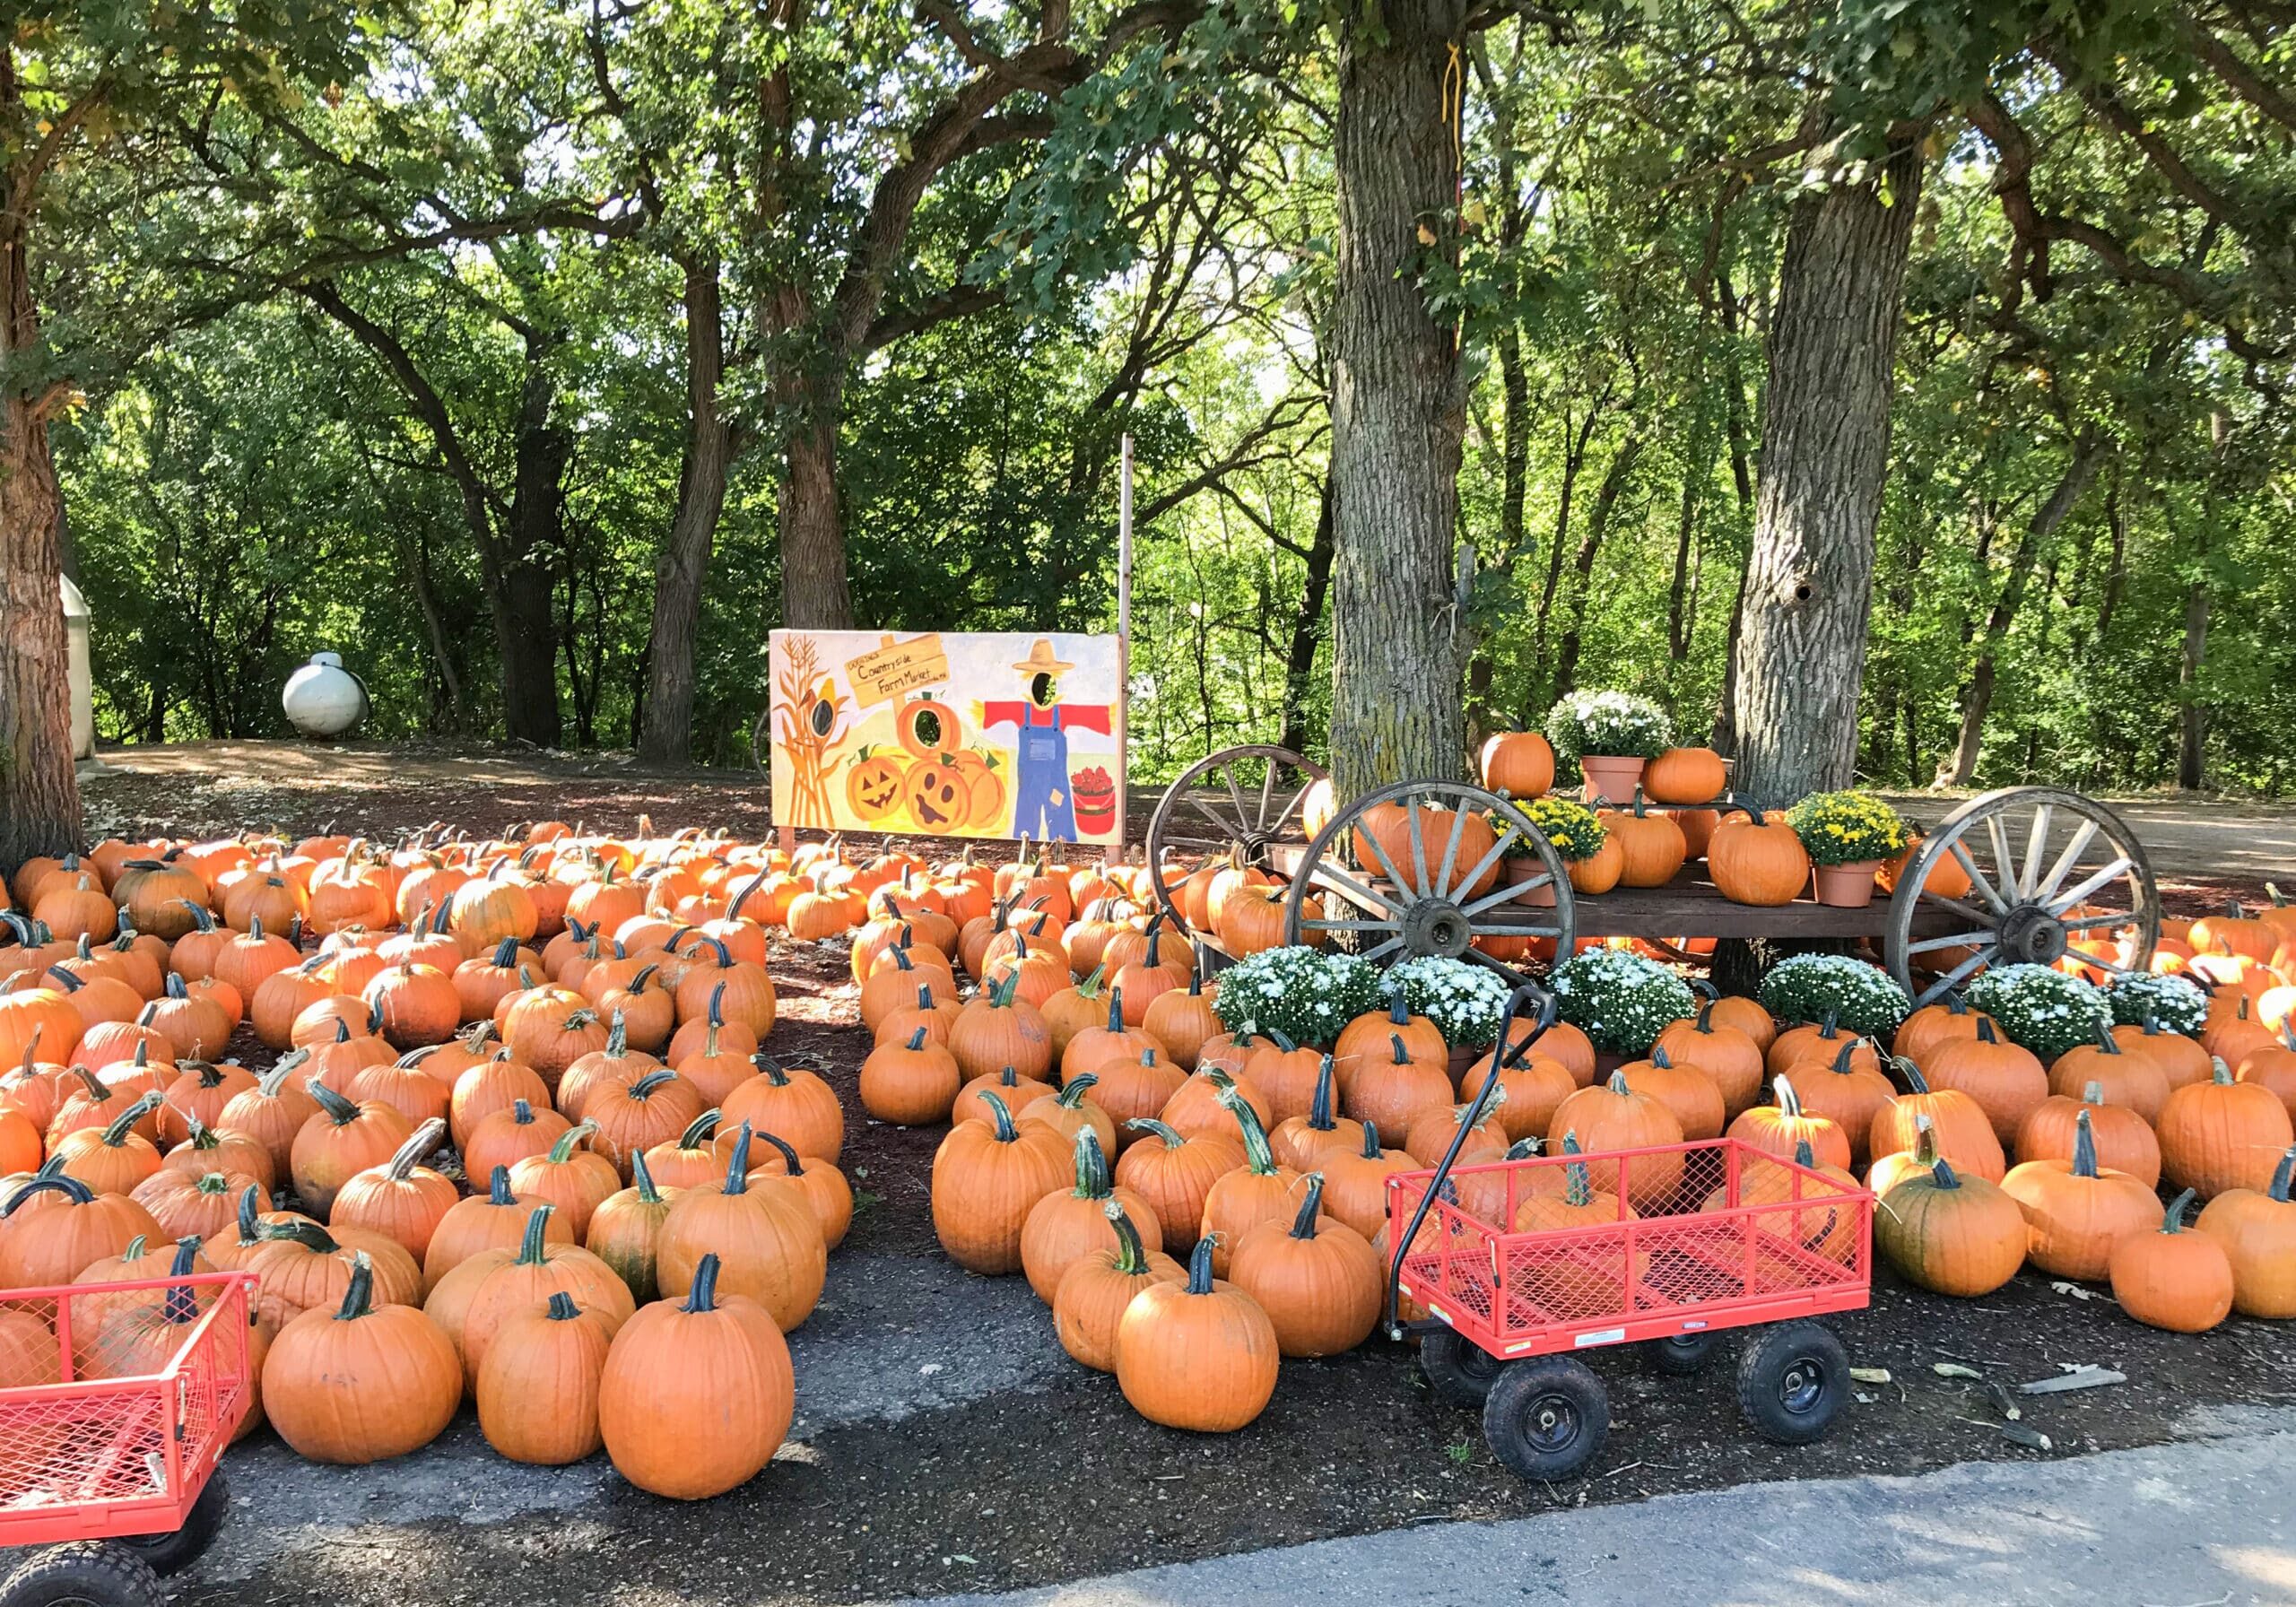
{"x":1955,"y":1369}
{"x":1870,"y":1375}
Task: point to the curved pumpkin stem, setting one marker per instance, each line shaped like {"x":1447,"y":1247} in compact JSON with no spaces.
{"x":737,"y":1163}
{"x":1091,"y":1167}
{"x":790,"y":1163}
{"x":358,"y":1299}
{"x":1131,"y":1254}
{"x":332,"y":1105}
{"x":570,"y":1140}
{"x":1311,"y":1204}
{"x":703,"y":1296}
{"x":1072,"y":1093}
{"x":1789,"y":1103}
{"x":641,"y":1178}
{"x":1259,"y":1158}
{"x":1163,"y":1133}
{"x":1319,"y":1117}
{"x":419,"y":1144}
{"x":534,"y":1245}
{"x":1577,"y":1186}
{"x":697,"y":1131}
{"x":1199,"y":1265}
{"x":2173,"y":1221}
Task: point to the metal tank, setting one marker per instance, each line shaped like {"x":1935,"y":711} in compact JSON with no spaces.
{"x":323,"y":699}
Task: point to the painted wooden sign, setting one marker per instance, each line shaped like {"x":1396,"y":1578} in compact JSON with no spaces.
{"x":992,"y":734}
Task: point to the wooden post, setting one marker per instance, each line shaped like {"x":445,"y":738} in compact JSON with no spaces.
{"x":1124,"y":649}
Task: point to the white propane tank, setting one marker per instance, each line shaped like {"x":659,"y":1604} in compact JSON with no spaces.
{"x":323,"y":699}
{"x":77,"y":672}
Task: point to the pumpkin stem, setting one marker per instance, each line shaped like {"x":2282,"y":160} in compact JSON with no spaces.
{"x":2174,"y":1220}
{"x":332,"y":1105}
{"x":533,"y":1245}
{"x":618,"y":1033}
{"x":703,"y":1296}
{"x":1170,"y":1139}
{"x":498,"y":1193}
{"x":643,"y":1089}
{"x":770,"y":1068}
{"x":1131,"y":1254}
{"x":570,"y":1140}
{"x":2283,"y":1175}
{"x":1311,"y":1204}
{"x":1909,"y":1073}
{"x":1258,"y":1157}
{"x":561,"y":1307}
{"x":1577,"y":1186}
{"x":697,"y":1131}
{"x":1091,"y":1167}
{"x":1618,"y":1083}
{"x":1398,"y":1011}
{"x":1199,"y":1265}
{"x":357,"y":1298}
{"x":737,"y":1163}
{"x":1319,"y":1105}
{"x":2107,"y":1044}
{"x":1985,"y":1033}
{"x":1789,"y":1103}
{"x":2093,"y":1092}
{"x":1660,"y":1058}
{"x":419,"y":1144}
{"x":1116,"y":1008}
{"x":791,"y":1165}
{"x":1001,"y":1117}
{"x":1942,"y":1170}
{"x":124,"y":1122}
{"x":1370,"y":1150}
{"x":2084,"y":1146}
{"x":2217,"y":1072}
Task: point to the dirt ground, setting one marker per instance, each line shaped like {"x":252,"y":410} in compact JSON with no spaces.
{"x":945,"y":1444}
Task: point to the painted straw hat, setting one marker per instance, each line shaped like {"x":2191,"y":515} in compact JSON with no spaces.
{"x":1040,"y":661}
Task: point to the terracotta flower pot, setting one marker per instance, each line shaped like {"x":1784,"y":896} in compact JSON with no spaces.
{"x":1847,"y":886}
{"x":1520,"y":870}
{"x":1609,"y":777}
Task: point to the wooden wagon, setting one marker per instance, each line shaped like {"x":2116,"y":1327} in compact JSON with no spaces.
{"x":2034,"y":871}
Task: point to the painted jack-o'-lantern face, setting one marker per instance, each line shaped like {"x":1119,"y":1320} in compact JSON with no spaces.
{"x":873,"y":786}
{"x":939,"y":800}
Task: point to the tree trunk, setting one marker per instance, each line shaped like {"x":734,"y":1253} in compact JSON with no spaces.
{"x":1398,"y":411}
{"x":1977,"y":695}
{"x":2192,"y":714}
{"x":1724,"y":737}
{"x":815,"y":595}
{"x":683,"y":563}
{"x":39,"y":788}
{"x":526,"y":623}
{"x":1307,"y":629}
{"x":1801,"y":655}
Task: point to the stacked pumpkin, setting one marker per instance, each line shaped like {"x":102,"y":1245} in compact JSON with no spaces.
{"x":584,"y":1018}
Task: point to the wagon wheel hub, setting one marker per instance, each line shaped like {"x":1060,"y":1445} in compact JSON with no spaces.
{"x":1436,"y":927}
{"x":2030,"y":934}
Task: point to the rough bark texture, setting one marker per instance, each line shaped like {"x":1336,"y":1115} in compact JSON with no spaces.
{"x":1824,"y":449}
{"x":39,"y":789}
{"x":1307,"y":629}
{"x":1976,"y":693}
{"x":666,"y":735}
{"x":815,"y":595}
{"x":1725,"y":738}
{"x":1398,"y":412}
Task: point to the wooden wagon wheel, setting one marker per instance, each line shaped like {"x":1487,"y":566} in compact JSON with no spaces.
{"x":2018,"y":876}
{"x":1250,"y":804}
{"x":1422,"y":896}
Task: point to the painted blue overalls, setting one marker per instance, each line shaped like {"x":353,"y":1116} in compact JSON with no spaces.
{"x":1041,"y":772}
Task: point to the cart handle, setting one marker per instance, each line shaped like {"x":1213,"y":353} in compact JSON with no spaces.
{"x":1503,"y":1053}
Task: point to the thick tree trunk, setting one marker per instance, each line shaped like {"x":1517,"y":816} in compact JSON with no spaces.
{"x":1800,"y":656}
{"x":39,"y":789}
{"x":1307,"y":630}
{"x":682,"y":563}
{"x":815,"y":595}
{"x":1724,"y":737}
{"x":1976,"y":694}
{"x":1398,"y":411}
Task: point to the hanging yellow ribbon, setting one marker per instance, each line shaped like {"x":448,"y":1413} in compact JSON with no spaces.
{"x":1455,"y":116}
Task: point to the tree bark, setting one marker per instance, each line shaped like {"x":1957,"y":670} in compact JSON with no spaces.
{"x":1724,"y":737}
{"x":1801,"y":655}
{"x":815,"y":593}
{"x":1976,"y":693}
{"x":1307,"y":629}
{"x":1398,"y":411}
{"x":666,"y":735}
{"x":39,"y":788}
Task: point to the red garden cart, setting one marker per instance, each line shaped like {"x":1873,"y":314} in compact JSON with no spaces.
{"x":112,"y":1481}
{"x":1519,"y":1266}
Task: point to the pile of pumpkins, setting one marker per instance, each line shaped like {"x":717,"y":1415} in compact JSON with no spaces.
{"x":645,"y":1200}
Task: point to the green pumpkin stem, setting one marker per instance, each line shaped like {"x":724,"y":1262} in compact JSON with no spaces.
{"x":2173,"y":1220}
{"x":1199,"y":1265}
{"x":702,"y":1296}
{"x":1319,"y":1117}
{"x":534,"y":1245}
{"x":737,"y":1163}
{"x":1000,"y":1117}
{"x":1311,"y":1204}
{"x":1131,"y":1254}
{"x":1092,"y":1166}
{"x":357,"y":1298}
{"x":1164,"y":1134}
{"x":2084,"y":1146}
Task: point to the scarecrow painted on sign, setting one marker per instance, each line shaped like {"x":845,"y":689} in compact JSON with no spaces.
{"x":1044,"y":796}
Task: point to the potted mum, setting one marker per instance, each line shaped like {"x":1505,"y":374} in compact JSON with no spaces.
{"x":1847,"y":835}
{"x":1612,"y":736}
{"x":1576,"y":835}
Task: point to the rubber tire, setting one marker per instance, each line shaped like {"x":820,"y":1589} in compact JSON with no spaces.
{"x":1461,"y":1371}
{"x":1684,"y":1356}
{"x":1763,"y":1367}
{"x":1545,"y":1384}
{"x":86,"y":1573}
{"x":166,"y":1554}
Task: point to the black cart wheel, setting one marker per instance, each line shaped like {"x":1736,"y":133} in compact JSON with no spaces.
{"x":1792,"y":1381}
{"x":87,"y":1573}
{"x":1546,"y":1418}
{"x":172,"y":1553}
{"x":1460,"y":1370}
{"x":1684,"y":1354}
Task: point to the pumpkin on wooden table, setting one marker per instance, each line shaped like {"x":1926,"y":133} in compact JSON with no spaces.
{"x":2222,"y":1134}
{"x":361,"y":1382}
{"x":1199,"y":1355}
{"x":2257,"y":1229}
{"x":1685,"y":776}
{"x":1951,"y":1234}
{"x":2006,"y":1079}
{"x":1518,"y":764}
{"x":1319,"y":1279}
{"x":2078,"y":1213}
{"x":1758,"y":859}
{"x":1099,"y":1285}
{"x":1651,"y":846}
{"x":1064,"y":1226}
{"x":2174,"y":1279}
{"x":2124,"y":1139}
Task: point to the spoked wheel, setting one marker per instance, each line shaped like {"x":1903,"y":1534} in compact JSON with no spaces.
{"x":1251,"y":797}
{"x":1433,"y":868}
{"x":2021,"y":876}
{"x":1547,"y":1418}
